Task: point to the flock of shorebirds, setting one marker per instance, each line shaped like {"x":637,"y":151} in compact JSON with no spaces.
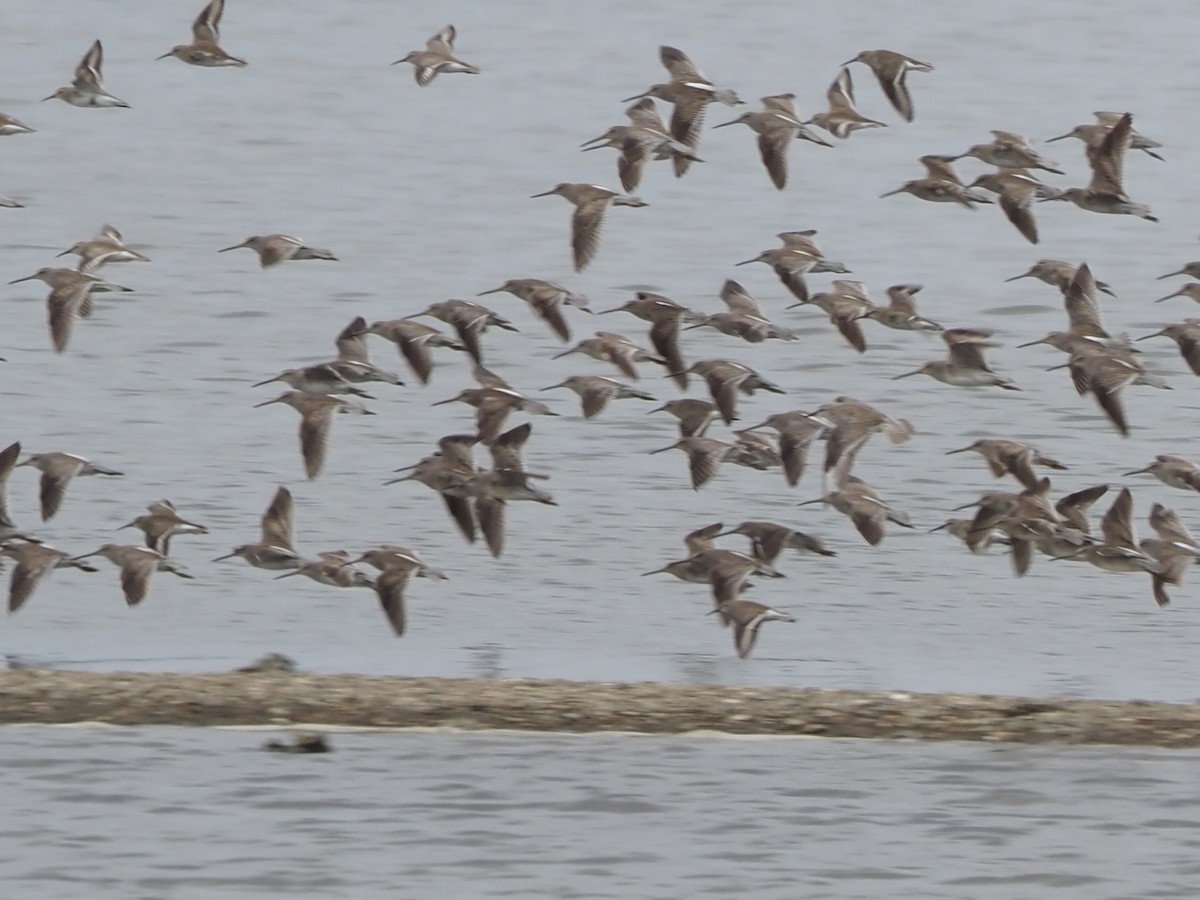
{"x":1024,"y":519}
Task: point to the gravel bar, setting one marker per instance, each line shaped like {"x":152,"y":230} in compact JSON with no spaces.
{"x":283,"y":699}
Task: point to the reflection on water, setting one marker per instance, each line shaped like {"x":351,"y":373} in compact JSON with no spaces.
{"x":423,"y":195}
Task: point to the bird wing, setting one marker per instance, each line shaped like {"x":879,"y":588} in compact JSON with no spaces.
{"x":586,"y":225}
{"x":389,"y":587}
{"x":87,"y":73}
{"x":1107,"y":159}
{"x":772,"y":147}
{"x":841,"y":93}
{"x":277,"y":521}
{"x":1117,"y":524}
{"x":8,"y":461}
{"x":680,"y":67}
{"x":314,"y":438}
{"x":739,"y":300}
{"x":205,"y":28}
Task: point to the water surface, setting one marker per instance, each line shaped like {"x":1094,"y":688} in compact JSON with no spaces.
{"x":141,"y":813}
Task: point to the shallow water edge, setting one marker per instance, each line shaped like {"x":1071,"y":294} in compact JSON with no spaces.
{"x":48,"y":696}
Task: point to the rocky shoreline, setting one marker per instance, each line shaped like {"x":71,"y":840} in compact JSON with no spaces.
{"x":288,"y":698}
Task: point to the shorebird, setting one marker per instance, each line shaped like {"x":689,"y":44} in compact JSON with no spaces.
{"x":64,"y":304}
{"x":275,"y":549}
{"x":438,"y":56}
{"x":469,"y":321}
{"x":1191,"y":270}
{"x":776,"y":125}
{"x":705,"y":456}
{"x":447,"y":472}
{"x":1057,"y":273}
{"x":754,"y":450}
{"x":845,"y":304}
{"x":546,"y":299}
{"x":1005,"y":457}
{"x":690,"y":92}
{"x":106,"y":247}
{"x":591,"y":202}
{"x":493,"y":404}
{"x":1174,"y":549}
{"x":396,"y":566}
{"x":10,"y":126}
{"x":665,"y":317}
{"x":1085,"y":332}
{"x":1106,"y":191}
{"x":789,"y":264}
{"x":316,"y":414}
{"x":1191,"y":290}
{"x":353,"y":363}
{"x":644,"y":140}
{"x":851,"y":424}
{"x":901,"y":311}
{"x":843,"y":118}
{"x":595,"y":392}
{"x":413,"y":341}
{"x":492,"y":490}
{"x":768,"y":540}
{"x":966,"y":366}
{"x":620,"y":351}
{"x":940,"y":185}
{"x":57,"y":471}
{"x":747,"y":617}
{"x":1010,"y":151}
{"x":1103,"y":372}
{"x":1119,"y":551}
{"x":273,"y":249}
{"x":1030,"y":519}
{"x":694,"y":415}
{"x":205,"y":50}
{"x":70,"y":297}
{"x":1016,"y":190}
{"x":891,"y":69}
{"x":1173,"y":471}
{"x":161,"y":524}
{"x":61,"y":278}
{"x":797,"y":430}
{"x":651,"y":307}
{"x":1186,"y":335}
{"x":743,"y":318}
{"x":87,"y":89}
{"x":322,"y":378}
{"x":962,"y":529}
{"x":386,"y":556}
{"x":725,"y":571}
{"x":35,"y":561}
{"x":726,"y":379}
{"x":804,"y":241}
{"x":332,"y":568}
{"x":137,"y":564}
{"x":1093,"y":134}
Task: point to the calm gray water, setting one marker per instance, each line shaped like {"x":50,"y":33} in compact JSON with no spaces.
{"x":184,"y":814}
{"x":423,"y":195}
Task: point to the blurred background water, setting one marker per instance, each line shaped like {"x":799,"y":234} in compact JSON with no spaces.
{"x":423,"y":195}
